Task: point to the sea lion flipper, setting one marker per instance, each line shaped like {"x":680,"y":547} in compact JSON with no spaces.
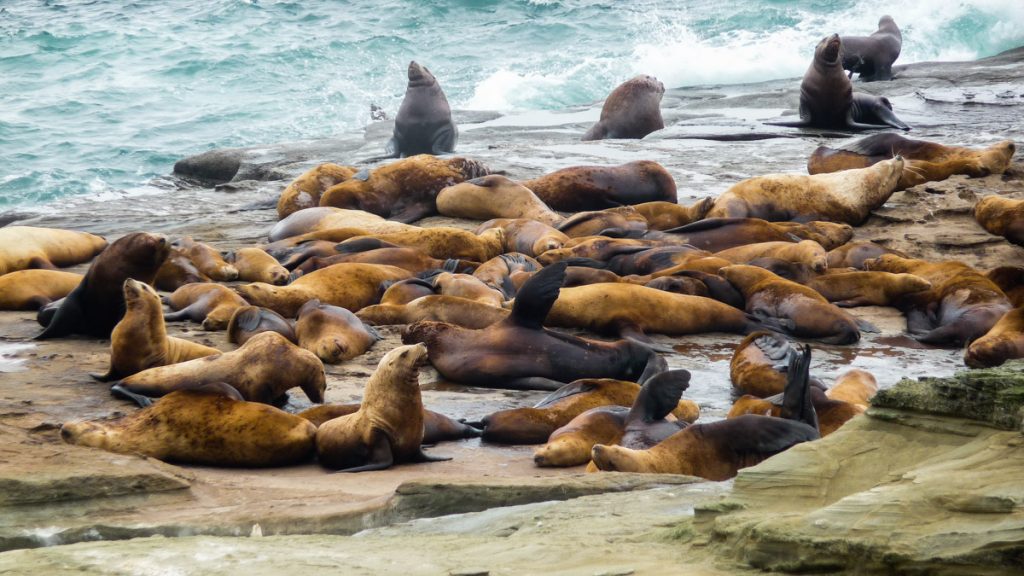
{"x":566,"y":390}
{"x":106,"y":377}
{"x":381,"y":456}
{"x":796,"y":399}
{"x":119,"y":391}
{"x":774,"y":347}
{"x":659,"y":396}
{"x":705,"y":224}
{"x":866,"y":326}
{"x":531,"y":383}
{"x":535,"y":299}
{"x":364,"y":244}
{"x":422,"y":456}
{"x":68,"y":319}
{"x":445,"y":139}
{"x":414,"y":212}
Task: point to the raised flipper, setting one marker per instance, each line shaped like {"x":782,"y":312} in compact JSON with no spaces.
{"x":567,"y":390}
{"x":763,"y":436}
{"x":655,"y":365}
{"x":585,"y":263}
{"x":796,"y":399}
{"x":119,"y":391}
{"x":381,"y":456}
{"x":659,"y":396}
{"x":68,"y":319}
{"x":537,"y":296}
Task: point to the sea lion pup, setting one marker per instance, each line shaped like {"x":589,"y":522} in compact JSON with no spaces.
{"x":848,"y":289}
{"x":332,"y":333}
{"x":255,"y":265}
{"x":388,"y":427}
{"x":1002,"y":217}
{"x":629,"y":310}
{"x":351,"y":286}
{"x":261,"y":370}
{"x":1010,"y":280}
{"x":962,"y":305}
{"x":305,"y":191}
{"x":622,"y":221}
{"x":437,"y":308}
{"x":796,"y":310}
{"x":436,"y":427}
{"x":494,"y":196}
{"x":33,"y":289}
{"x":140,"y":340}
{"x":498,"y":271}
{"x":1005,"y":341}
{"x":923,"y":161}
{"x":806,"y":252}
{"x":717,"y":234}
{"x":441,"y":242}
{"x":848,"y":196}
{"x":97,"y":304}
{"x":23,"y":247}
{"x":176,"y":271}
{"x":206,"y":258}
{"x":424,"y":121}
{"x":527,"y":237}
{"x":519,"y":353}
{"x":404,"y":190}
{"x":853,"y":254}
{"x":307,"y":223}
{"x":827,"y":99}
{"x":632,"y":110}
{"x":597,"y":187}
{"x":212,"y":305}
{"x":468,"y":287}
{"x":248,"y":321}
{"x":667,"y":215}
{"x":205,"y":428}
{"x":872,"y":56}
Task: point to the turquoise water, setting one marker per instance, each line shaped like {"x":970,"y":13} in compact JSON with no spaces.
{"x":102,"y":96}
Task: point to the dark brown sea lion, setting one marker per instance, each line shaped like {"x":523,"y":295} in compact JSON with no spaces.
{"x":97,"y":304}
{"x":207,"y":259}
{"x":388,"y":427}
{"x":717,"y":234}
{"x":412,"y":260}
{"x":24,"y":247}
{"x":447,"y":309}
{"x":424,"y":121}
{"x":679,"y":285}
{"x":1005,"y":341}
{"x":248,"y":321}
{"x":1002,"y":217}
{"x":315,"y":223}
{"x":33,"y":289}
{"x":404,"y":190}
{"x":440,"y":242}
{"x":207,"y":303}
{"x":622,"y":221}
{"x":527,"y":237}
{"x":332,"y":333}
{"x":667,"y":215}
{"x":304,"y":192}
{"x":871,"y":57}
{"x":176,"y":271}
{"x":436,"y":427}
{"x":598,"y":187}
{"x":255,"y":265}
{"x":807,"y":252}
{"x":632,"y":110}
{"x":847,"y":289}
{"x":853,"y":254}
{"x":494,"y":196}
{"x":206,"y":428}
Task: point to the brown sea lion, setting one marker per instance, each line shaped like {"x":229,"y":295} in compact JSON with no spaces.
{"x":405,"y":291}
{"x":598,"y":187}
{"x":23,"y":247}
{"x":847,"y":289}
{"x":305,"y":191}
{"x":388,"y":427}
{"x":205,"y":428}
{"x":679,"y":285}
{"x":1002,"y":217}
{"x":351,"y":286}
{"x":598,"y":248}
{"x":854,"y":386}
{"x":667,"y":215}
{"x":871,"y":57}
{"x":848,"y":196}
{"x":207,"y":303}
{"x":33,"y":289}
{"x":446,"y":309}
{"x":621,"y":221}
{"x":1005,"y":341}
{"x":207,"y":259}
{"x":436,"y":427}
{"x":632,"y":110}
{"x":332,"y":333}
{"x":466,"y":286}
{"x":493,"y":196}
{"x":424,"y":122}
{"x":853,"y":254}
{"x":97,"y":304}
{"x":923,"y":161}
{"x":570,"y":445}
{"x":441,"y":242}
{"x":806,"y":252}
{"x":1010,"y":280}
{"x":829,"y":234}
{"x":261,"y":370}
{"x":140,"y":340}
{"x":757,"y":365}
{"x":316,"y":224}
{"x":255,"y":265}
{"x":498,"y":272}
{"x":582,"y":276}
{"x":248,"y":321}
{"x":404,"y":190}
{"x":527,"y":237}
{"x":832,"y":414}
{"x":412,"y":260}
{"x":176,"y":271}
{"x":717,"y":234}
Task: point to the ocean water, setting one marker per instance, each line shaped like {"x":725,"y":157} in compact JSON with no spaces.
{"x":98,"y":97}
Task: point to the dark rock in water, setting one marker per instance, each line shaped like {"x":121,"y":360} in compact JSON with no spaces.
{"x":211,"y":168}
{"x":7,"y":218}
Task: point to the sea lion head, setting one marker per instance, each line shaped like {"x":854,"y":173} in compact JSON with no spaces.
{"x":885,"y":263}
{"x":647,"y":83}
{"x":84,"y":433}
{"x":420,"y":75}
{"x":405,"y":362}
{"x":829,"y":234}
{"x":137,"y":294}
{"x":258,"y":293}
{"x":994,"y":160}
{"x":143,"y":251}
{"x":829,"y":50}
{"x":619,"y":459}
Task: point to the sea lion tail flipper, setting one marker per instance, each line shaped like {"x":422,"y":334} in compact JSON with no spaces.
{"x":68,"y":319}
{"x":532,"y":383}
{"x":783,"y":325}
{"x":535,"y":299}
{"x":422,"y":456}
{"x":659,"y":396}
{"x":107,"y":377}
{"x":866,"y":326}
{"x":564,"y":391}
{"x":414,"y":212}
{"x":776,"y":348}
{"x":796,"y":399}
{"x":364,"y":244}
{"x":119,"y":391}
{"x":585,"y":262}
{"x":381,"y":455}
{"x":790,"y":124}
{"x":247,"y":319}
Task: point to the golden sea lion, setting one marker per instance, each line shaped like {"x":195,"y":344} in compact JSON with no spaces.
{"x":598,"y":187}
{"x":206,"y":258}
{"x":498,"y":272}
{"x":255,"y":265}
{"x":33,"y":289}
{"x":527,"y":237}
{"x":758,"y":363}
{"x":1005,"y":341}
{"x":598,"y":248}
{"x":367,"y":250}
{"x":854,"y":386}
{"x":351,"y":286}
{"x":443,"y":242}
{"x":207,"y":303}
{"x":853,"y":254}
{"x":305,"y":191}
{"x":493,"y":196}
{"x":313,"y":223}
{"x":405,"y":291}
{"x":632,"y":110}
{"x":847,"y":289}
{"x":717,"y":234}
{"x":570,"y":445}
{"x":662,"y":215}
{"x":806,"y":252}
{"x":436,"y":427}
{"x":24,"y":247}
{"x":446,"y":309}
{"x":466,"y":286}
{"x":248,"y":321}
{"x":332,"y":333}
{"x":1002,"y":217}
{"x":620,"y":221}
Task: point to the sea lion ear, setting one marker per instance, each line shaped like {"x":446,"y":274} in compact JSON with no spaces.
{"x":535,"y":299}
{"x":659,"y":396}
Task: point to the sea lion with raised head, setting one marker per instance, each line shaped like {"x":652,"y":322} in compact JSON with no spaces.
{"x":210,"y":304}
{"x":23,"y":247}
{"x":598,"y":187}
{"x":248,"y":321}
{"x":632,"y":110}
{"x":871,"y":57}
{"x":305,"y":191}
{"x":527,"y":237}
{"x":493,"y":196}
{"x":436,"y":308}
{"x":33,"y":289}
{"x":332,"y":333}
{"x":436,"y":427}
{"x":424,"y":122}
{"x":1002,"y":217}
{"x":255,"y":265}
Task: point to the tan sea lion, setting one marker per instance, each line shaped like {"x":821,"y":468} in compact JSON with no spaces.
{"x":33,"y":289}
{"x":405,"y":291}
{"x":582,"y":276}
{"x":717,"y":234}
{"x":621,"y":221}
{"x":210,"y":304}
{"x":1002,"y":217}
{"x":23,"y":247}
{"x":436,"y":427}
{"x":598,"y":187}
{"x":847,"y":289}
{"x":176,"y":271}
{"x":424,"y":122}
{"x":632,"y":110}
{"x":206,"y":258}
{"x":305,"y":191}
{"x":871,"y":57}
{"x":853,"y":254}
{"x":527,"y":237}
{"x":140,"y":340}
{"x":848,"y":196}
{"x":299,"y":226}
{"x":255,"y":265}
{"x":444,"y":242}
{"x":757,"y":365}
{"x":667,"y":215}
{"x":466,"y":286}
{"x":351,"y":286}
{"x":854,"y":386}
{"x":570,"y":445}
{"x":1005,"y":341}
{"x":447,"y":309}
{"x":412,"y":260}
{"x":248,"y":321}
{"x":388,"y":427}
{"x":829,"y":234}
{"x":205,"y":428}
{"x":332,"y":333}
{"x":493,"y":196}
{"x":498,"y":272}
{"x":806,"y":252}
{"x":598,"y":248}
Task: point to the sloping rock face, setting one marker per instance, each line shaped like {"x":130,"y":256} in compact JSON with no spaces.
{"x":930,"y":482}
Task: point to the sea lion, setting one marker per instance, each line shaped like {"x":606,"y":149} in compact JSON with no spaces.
{"x":871,"y":57}
{"x":598,"y":248}
{"x":758,"y":364}
{"x":827,"y":99}
{"x":848,"y":289}
{"x":97,"y":304}
{"x":405,"y":291}
{"x":582,"y":276}
{"x":796,"y":271}
{"x":667,"y":215}
{"x":853,"y":254}
{"x":404,"y":190}
{"x":520,"y":353}
{"x":437,"y":308}
{"x":717,"y":234}
{"x":176,"y":271}
{"x":923,"y":161}
{"x":498,"y":272}
{"x":806,"y":252}
{"x":829,"y":234}
{"x":206,"y":258}
{"x":570,"y":445}
{"x":305,"y":191}
{"x":388,"y":427}
{"x":441,"y":242}
{"x":424,"y":121}
{"x":33,"y":289}
{"x":261,"y":370}
{"x":796,"y":310}
{"x":248,"y":321}
{"x":140,"y":340}
{"x":255,"y":265}
{"x":205,"y":428}
{"x":1005,"y":341}
{"x":316,"y":224}
{"x":436,"y":427}
{"x":854,"y":386}
{"x":351,"y":286}
{"x":527,"y":237}
{"x":23,"y":247}
{"x":622,"y":221}
{"x":332,"y":333}
{"x":413,"y":260}
{"x":679,"y":285}
{"x":632,"y":110}
{"x":597,"y":187}
{"x":848,"y":196}
{"x":493,"y":196}
{"x":1002,"y":217}
{"x":210,"y":304}
{"x":1009,"y":279}
{"x":466,"y":286}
